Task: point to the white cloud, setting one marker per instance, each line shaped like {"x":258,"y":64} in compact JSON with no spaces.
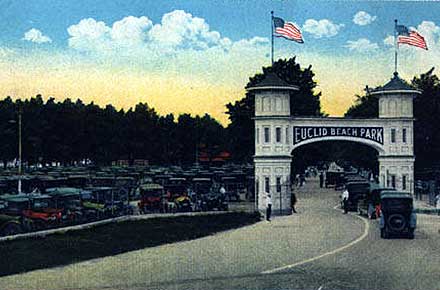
{"x":389,"y":40}
{"x":322,"y":28}
{"x":35,"y":35}
{"x":131,"y":29}
{"x":363,"y":18}
{"x":178,"y":31}
{"x":361,"y":45}
{"x":88,"y":34}
{"x":181,"y":29}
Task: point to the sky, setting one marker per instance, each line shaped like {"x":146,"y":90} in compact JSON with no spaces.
{"x":196,"y":56}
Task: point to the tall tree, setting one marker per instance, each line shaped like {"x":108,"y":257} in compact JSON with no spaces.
{"x":305,"y":102}
{"x":426,"y":114}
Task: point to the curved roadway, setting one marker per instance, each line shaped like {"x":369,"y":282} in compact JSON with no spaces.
{"x":318,"y":248}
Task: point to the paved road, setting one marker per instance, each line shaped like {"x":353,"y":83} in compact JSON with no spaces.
{"x":237,"y":259}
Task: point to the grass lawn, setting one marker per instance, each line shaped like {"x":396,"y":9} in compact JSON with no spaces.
{"x":61,"y":249}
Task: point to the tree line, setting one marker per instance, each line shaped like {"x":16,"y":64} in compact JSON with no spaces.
{"x":69,"y":132}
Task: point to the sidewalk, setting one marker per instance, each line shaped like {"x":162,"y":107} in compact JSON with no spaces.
{"x":422,"y":206}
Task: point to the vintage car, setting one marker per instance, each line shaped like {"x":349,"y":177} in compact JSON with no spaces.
{"x":105,"y":202}
{"x":69,"y":200}
{"x":334,"y":178}
{"x":370,"y":206}
{"x":357,"y":190}
{"x":36,"y":210}
{"x":9,"y":225}
{"x":213,"y":200}
{"x":232,"y":187}
{"x":183,"y":203}
{"x":398,"y":217}
{"x":151,"y":198}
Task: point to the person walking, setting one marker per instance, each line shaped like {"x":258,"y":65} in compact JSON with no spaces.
{"x":321,"y":179}
{"x":293,"y":201}
{"x":302,"y":180}
{"x":268,"y":206}
{"x":345,"y":195}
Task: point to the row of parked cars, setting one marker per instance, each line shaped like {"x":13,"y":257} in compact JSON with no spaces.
{"x":72,"y":196}
{"x":59,"y":207}
{"x":395,"y":209}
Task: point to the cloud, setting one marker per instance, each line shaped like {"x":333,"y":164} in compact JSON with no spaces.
{"x":363,"y":18}
{"x":321,"y":28}
{"x":179,"y":29}
{"x":361,"y":45}
{"x":137,"y":36}
{"x":389,"y":40}
{"x":131,"y":29}
{"x":35,"y":35}
{"x":88,"y":34}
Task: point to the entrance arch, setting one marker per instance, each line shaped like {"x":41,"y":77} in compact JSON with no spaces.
{"x":277,"y":134}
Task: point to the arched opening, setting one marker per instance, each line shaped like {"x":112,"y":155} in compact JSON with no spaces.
{"x":344,"y":153}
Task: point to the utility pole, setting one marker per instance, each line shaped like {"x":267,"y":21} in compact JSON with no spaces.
{"x":19,"y":150}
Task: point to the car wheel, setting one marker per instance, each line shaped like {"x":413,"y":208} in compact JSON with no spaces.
{"x":40,"y":225}
{"x":396,"y":222}
{"x":11,"y":229}
{"x":384,"y":233}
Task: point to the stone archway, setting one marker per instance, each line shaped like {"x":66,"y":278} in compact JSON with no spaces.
{"x":277,"y":134}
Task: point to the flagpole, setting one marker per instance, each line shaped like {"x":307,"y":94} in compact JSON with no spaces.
{"x":272,"y":28}
{"x":396,"y":45}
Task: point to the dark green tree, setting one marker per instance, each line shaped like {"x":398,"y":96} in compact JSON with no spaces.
{"x":305,"y":102}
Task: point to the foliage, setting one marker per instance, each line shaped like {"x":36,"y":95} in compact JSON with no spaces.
{"x":70,"y":132}
{"x":426,"y":125}
{"x":426,"y":114}
{"x":305,"y":102}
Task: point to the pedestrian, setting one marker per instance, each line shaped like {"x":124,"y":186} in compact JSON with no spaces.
{"x":302,"y":181}
{"x":345,"y":196}
{"x":321,"y":179}
{"x":293,"y":201}
{"x":268,"y":207}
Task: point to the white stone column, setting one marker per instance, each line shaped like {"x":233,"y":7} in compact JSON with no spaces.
{"x":269,"y":169}
{"x":401,"y":167}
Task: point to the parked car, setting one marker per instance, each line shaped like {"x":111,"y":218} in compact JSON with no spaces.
{"x":68,"y":199}
{"x":334,"y":178}
{"x":9,"y":225}
{"x":105,"y":202}
{"x":213,"y":201}
{"x":36,"y":210}
{"x":398,"y":217}
{"x":370,"y":206}
{"x":357,"y":190}
{"x":151,"y":198}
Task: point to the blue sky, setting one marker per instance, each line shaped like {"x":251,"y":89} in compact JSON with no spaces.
{"x":229,"y":42}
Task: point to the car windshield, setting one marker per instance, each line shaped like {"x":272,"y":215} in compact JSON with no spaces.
{"x":41,"y":203}
{"x":17,"y":206}
{"x":396,"y":204}
{"x":357,"y":188}
{"x":70,"y":202}
{"x":153,"y":194}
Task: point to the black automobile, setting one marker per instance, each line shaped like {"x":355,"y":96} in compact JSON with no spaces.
{"x":212,"y":200}
{"x":357,"y":190}
{"x":370,"y":206}
{"x":398,"y":217}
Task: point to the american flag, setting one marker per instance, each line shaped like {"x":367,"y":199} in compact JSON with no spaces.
{"x":410,"y":37}
{"x":287,"y":30}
